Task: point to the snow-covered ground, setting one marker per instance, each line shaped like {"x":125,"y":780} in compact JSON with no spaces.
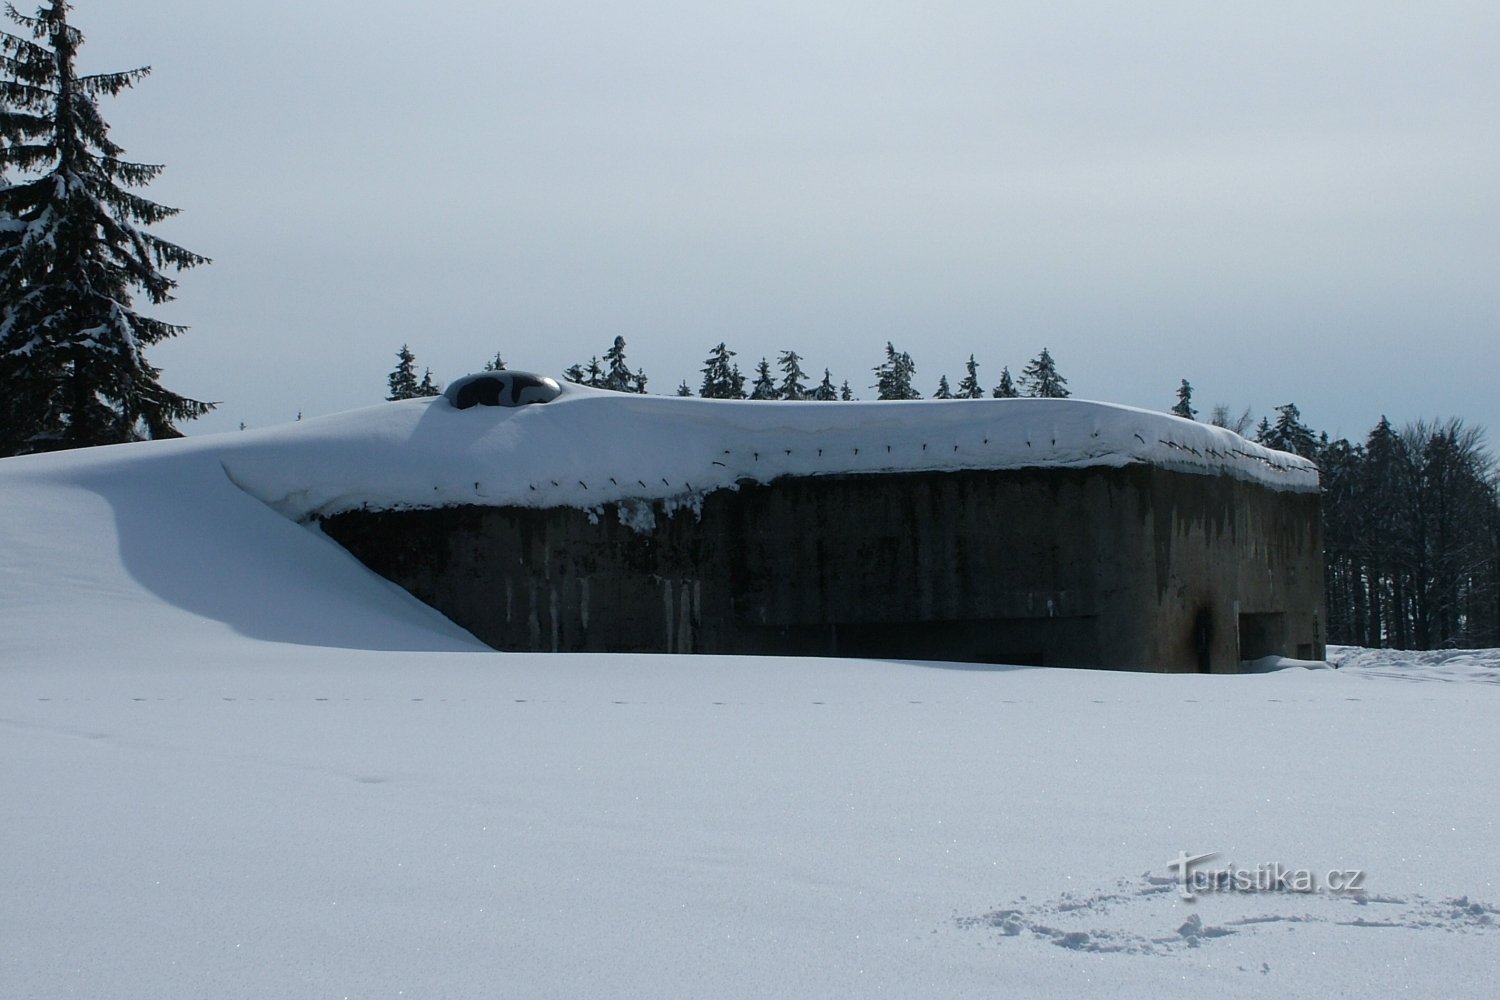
{"x":235,"y":764}
{"x":1480,"y":665}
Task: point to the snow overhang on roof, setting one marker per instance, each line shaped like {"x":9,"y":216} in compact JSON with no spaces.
{"x":589,"y":447}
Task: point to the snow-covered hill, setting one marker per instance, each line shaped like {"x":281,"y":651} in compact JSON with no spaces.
{"x":236,"y":764}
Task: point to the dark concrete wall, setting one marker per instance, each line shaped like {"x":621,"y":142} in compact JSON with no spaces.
{"x":1133,"y":567}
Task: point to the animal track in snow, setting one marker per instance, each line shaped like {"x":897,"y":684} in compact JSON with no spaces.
{"x":1144,"y":916}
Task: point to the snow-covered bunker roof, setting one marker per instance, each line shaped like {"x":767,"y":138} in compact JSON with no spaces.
{"x":590,"y":447}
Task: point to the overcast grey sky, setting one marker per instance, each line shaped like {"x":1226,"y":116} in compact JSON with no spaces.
{"x":1277,"y":201}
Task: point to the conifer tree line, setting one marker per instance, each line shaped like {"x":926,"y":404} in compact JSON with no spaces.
{"x":1411,"y":536}
{"x":1411,"y":531}
{"x":74,"y":254}
{"x":894,"y":378}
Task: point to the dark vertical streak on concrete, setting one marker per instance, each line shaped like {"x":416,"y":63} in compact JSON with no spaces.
{"x":1087,"y":567}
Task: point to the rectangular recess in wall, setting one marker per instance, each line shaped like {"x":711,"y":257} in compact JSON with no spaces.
{"x":1262,"y":635}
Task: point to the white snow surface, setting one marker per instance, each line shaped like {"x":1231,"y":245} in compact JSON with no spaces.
{"x":236,"y":764}
{"x":1473,"y":665}
{"x":592,"y":447}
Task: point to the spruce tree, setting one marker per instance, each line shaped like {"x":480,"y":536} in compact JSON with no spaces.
{"x":613,"y":373}
{"x":845,"y":396}
{"x":943,"y":392}
{"x":721,"y":377}
{"x":1289,"y":433}
{"x":793,"y":380}
{"x":826,"y":392}
{"x":1387,"y":490}
{"x":73,"y":255}
{"x":716,"y":372}
{"x":968,"y":386}
{"x":591,"y":376}
{"x":893,"y":376}
{"x":1040,"y":378}
{"x":1184,"y":407}
{"x":1006,"y":389}
{"x":765,"y":385}
{"x":619,"y":377}
{"x":683,"y":389}
{"x":427,"y":387}
{"x":495,"y":364}
{"x":403,"y":378}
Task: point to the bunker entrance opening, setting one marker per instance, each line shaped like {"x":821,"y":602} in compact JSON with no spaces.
{"x":1262,"y":635}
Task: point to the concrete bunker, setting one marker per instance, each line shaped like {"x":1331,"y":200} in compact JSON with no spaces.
{"x":1130,"y":566}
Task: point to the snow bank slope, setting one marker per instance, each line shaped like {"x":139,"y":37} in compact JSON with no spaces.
{"x":112,"y":547}
{"x":591,"y":447}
